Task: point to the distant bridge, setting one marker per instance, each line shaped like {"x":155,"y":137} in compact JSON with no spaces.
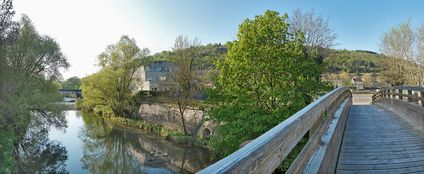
{"x":71,"y":92}
{"x":386,"y":136}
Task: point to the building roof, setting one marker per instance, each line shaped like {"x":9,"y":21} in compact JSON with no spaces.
{"x":159,"y":66}
{"x":357,"y":79}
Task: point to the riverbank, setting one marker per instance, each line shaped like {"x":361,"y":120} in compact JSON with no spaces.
{"x":97,"y":145}
{"x":168,"y":134}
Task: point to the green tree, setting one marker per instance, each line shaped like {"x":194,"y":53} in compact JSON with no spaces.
{"x":109,"y":91}
{"x":264,"y":79}
{"x":30,"y":64}
{"x":184,"y":75}
{"x":71,"y":83}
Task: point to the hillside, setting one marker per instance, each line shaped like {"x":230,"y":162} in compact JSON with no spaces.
{"x":376,"y":70}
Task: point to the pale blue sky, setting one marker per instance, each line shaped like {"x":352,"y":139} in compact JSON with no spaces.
{"x":85,"y":28}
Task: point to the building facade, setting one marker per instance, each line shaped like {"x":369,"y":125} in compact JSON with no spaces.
{"x":156,"y":76}
{"x":358,"y":82}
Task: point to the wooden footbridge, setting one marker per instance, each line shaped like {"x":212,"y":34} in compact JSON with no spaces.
{"x":385,"y":136}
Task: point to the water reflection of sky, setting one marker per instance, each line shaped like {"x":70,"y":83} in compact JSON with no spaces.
{"x":70,"y":140}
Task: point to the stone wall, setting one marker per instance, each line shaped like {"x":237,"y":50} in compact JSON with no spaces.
{"x":169,"y":117}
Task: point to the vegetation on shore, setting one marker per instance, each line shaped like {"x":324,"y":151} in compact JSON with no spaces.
{"x":275,"y":66}
{"x":109,"y":92}
{"x":159,"y":130}
{"x":30,"y":67}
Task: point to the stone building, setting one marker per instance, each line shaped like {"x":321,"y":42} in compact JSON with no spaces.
{"x":155,"y":76}
{"x":358,"y":82}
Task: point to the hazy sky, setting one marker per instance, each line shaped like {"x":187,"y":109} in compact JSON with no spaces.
{"x":84,"y":28}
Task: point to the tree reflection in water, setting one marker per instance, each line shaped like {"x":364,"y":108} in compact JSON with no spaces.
{"x":104,"y":149}
{"x":110,"y":149}
{"x":35,"y":153}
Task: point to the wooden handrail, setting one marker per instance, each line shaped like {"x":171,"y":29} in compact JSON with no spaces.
{"x":265,"y":153}
{"x":413,"y":94}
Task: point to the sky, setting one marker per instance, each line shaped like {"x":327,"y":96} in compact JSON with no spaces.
{"x":84,"y":28}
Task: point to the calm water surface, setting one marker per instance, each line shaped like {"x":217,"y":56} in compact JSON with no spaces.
{"x":94,"y":146}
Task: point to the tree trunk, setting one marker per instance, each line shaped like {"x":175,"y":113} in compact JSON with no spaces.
{"x":182,"y":118}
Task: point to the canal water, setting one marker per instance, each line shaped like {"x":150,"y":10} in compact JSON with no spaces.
{"x":95,"y":146}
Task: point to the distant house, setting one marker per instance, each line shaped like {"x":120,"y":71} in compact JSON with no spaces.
{"x":358,"y":82}
{"x":155,"y":76}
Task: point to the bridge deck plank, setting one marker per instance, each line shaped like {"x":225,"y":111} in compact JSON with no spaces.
{"x":378,"y":141}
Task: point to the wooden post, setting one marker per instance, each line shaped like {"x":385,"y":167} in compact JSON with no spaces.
{"x":410,"y":96}
{"x":422,"y":98}
{"x":417,"y":98}
{"x":393,"y":92}
{"x":400,"y":94}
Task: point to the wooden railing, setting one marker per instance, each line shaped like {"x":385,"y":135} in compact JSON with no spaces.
{"x":405,"y":93}
{"x":324,"y":120}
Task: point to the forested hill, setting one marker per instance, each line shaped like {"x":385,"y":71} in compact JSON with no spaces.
{"x":206,"y":55}
{"x":353,"y":62}
{"x":359,"y":61}
{"x":336,"y":61}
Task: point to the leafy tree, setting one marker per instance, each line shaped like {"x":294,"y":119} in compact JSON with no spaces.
{"x":34,"y":62}
{"x":7,"y":138}
{"x":109,"y":91}
{"x":71,"y":83}
{"x":184,"y":75}
{"x":264,"y":79}
{"x":30,"y":65}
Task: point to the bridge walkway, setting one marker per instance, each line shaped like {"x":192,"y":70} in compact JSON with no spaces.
{"x":378,"y":141}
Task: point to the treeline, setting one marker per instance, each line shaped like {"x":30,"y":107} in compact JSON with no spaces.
{"x":207,"y":55}
{"x":29,"y":69}
{"x":354,"y":62}
{"x":377,"y":70}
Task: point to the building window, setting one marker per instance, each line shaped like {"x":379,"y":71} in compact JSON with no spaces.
{"x":162,"y":78}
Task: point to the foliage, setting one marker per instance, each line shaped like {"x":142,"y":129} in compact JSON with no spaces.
{"x":30,"y":66}
{"x":354,"y":62}
{"x":184,"y":75}
{"x":265,"y":78}
{"x":6,"y":150}
{"x":109,"y":91}
{"x":401,"y":43}
{"x":341,"y":64}
{"x":207,"y":56}
{"x":71,"y":83}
